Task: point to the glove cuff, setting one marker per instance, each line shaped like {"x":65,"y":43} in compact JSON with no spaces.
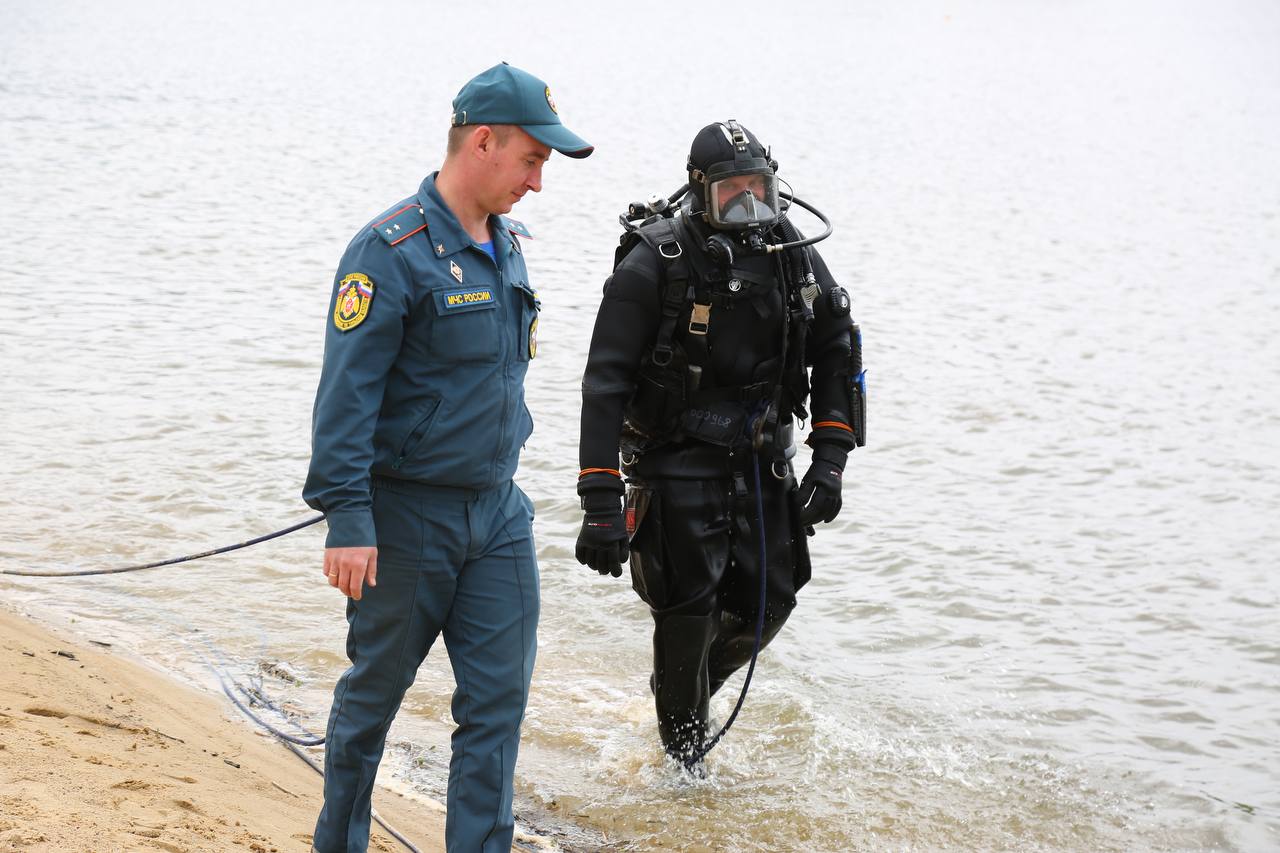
{"x":601,"y":502}
{"x":831,"y":454}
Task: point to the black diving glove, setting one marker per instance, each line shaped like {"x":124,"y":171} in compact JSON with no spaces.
{"x":602,"y":542}
{"x":819,"y":497}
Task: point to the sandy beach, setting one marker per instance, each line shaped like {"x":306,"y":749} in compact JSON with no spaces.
{"x":101,"y":753}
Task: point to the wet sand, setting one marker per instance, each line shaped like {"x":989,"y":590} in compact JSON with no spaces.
{"x":99,"y":752}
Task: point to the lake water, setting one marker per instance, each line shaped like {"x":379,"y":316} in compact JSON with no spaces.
{"x":1047,"y":617}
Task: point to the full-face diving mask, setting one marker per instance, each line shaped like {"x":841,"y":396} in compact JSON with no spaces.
{"x":741,"y":200}
{"x":741,"y":193}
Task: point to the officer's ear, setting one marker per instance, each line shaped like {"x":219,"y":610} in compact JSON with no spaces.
{"x":489,"y":138}
{"x":472,"y":140}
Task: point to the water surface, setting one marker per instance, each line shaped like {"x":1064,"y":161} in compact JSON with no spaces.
{"x":1046,"y":618}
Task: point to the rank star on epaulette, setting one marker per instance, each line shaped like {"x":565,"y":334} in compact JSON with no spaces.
{"x":401,"y":225}
{"x":351,"y":306}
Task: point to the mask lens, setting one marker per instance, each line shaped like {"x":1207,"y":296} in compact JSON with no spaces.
{"x":741,"y":201}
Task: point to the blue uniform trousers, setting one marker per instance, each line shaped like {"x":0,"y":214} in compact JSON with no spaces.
{"x":461,"y":563}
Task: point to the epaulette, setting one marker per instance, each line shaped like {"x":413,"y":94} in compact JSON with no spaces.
{"x":401,"y":224}
{"x":517,"y":228}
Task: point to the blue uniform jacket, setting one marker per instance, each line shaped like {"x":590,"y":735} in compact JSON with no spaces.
{"x":427,"y":344}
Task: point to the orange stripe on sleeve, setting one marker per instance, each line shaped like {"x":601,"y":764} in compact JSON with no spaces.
{"x":585,"y":471}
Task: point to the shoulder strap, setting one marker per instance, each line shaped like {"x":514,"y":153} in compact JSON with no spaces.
{"x":628,"y":241}
{"x":662,"y":237}
{"x":697,"y":292}
{"x":792,"y":376}
{"x":516,"y":227}
{"x":401,"y":224}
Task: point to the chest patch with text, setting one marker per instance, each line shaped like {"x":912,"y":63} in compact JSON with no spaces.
{"x":466,"y":298}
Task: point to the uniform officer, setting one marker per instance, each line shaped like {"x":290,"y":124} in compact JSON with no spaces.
{"x":417,"y":428}
{"x":700,"y":359}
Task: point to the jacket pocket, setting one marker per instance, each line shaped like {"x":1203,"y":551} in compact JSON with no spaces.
{"x":530,"y":310}
{"x":417,"y":434}
{"x":527,"y":424}
{"x":466,"y":324}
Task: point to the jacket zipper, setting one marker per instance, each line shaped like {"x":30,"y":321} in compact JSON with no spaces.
{"x":506,"y":378}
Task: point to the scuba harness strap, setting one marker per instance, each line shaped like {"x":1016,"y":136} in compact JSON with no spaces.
{"x":664,"y":241}
{"x":801,"y":289}
{"x":653,"y":415}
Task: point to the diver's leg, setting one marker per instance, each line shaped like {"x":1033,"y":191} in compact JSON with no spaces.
{"x":735,"y":638}
{"x":678,"y":557}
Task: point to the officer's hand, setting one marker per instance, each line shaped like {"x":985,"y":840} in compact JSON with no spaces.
{"x":819,"y":497}
{"x":349,"y":568}
{"x":602,"y":542}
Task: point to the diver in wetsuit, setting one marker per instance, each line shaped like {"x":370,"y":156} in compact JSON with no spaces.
{"x":713,"y":333}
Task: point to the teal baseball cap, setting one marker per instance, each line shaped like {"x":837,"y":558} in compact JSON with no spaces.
{"x":504,"y":94}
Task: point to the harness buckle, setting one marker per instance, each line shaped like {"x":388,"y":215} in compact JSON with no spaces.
{"x":700,"y":319}
{"x":662,"y":249}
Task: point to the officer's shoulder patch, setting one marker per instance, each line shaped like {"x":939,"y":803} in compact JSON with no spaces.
{"x":351,"y":305}
{"x":517,"y":228}
{"x":401,"y":224}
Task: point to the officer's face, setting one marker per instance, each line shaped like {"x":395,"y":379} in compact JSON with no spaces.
{"x":515,"y":168}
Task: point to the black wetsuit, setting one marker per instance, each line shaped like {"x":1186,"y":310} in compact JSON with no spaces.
{"x":695,"y":546}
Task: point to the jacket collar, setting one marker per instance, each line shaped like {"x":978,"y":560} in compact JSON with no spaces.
{"x":447,"y":234}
